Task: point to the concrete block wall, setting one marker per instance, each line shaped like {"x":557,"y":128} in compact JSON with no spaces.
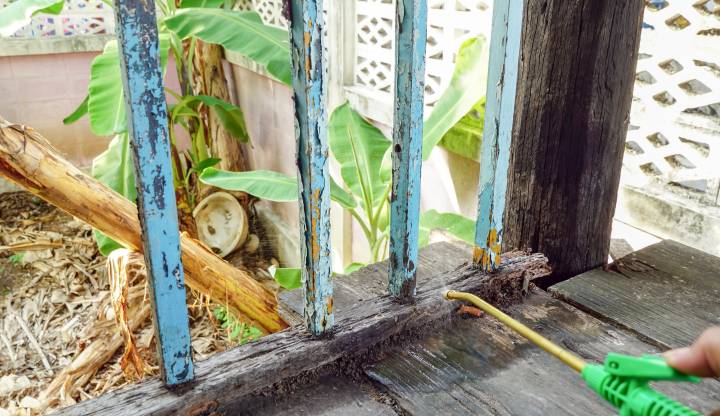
{"x":41,"y":90}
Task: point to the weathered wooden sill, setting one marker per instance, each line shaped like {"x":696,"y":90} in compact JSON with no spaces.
{"x":365,"y":323}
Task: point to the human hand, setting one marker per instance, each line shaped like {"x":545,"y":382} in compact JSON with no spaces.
{"x":700,"y":359}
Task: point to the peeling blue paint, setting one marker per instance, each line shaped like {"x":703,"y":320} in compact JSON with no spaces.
{"x":309,"y":74}
{"x":148,"y":128}
{"x":411,"y":37}
{"x":505,"y":43}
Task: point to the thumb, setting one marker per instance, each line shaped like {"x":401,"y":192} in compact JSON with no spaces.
{"x":689,"y":360}
{"x":701,"y":359}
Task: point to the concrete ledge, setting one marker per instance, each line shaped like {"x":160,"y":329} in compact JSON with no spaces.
{"x":53,"y":45}
{"x":671,"y":217}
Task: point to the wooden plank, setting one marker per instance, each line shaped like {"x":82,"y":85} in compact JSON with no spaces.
{"x":329,"y":396}
{"x":371,"y":281}
{"x":410,"y":39}
{"x":480,"y":367}
{"x":497,"y":135}
{"x":148,"y":129}
{"x":309,"y":94}
{"x":666,"y":292}
{"x":227,"y":377}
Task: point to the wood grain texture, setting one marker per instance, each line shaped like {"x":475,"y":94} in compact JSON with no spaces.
{"x":574,"y":93}
{"x":27,"y":159}
{"x":505,"y":41}
{"x":309,"y":81}
{"x":371,"y":281}
{"x":410,"y":40}
{"x":666,"y":292}
{"x":480,"y":367}
{"x":227,"y":377}
{"x":329,"y":396}
{"x":147,"y":119}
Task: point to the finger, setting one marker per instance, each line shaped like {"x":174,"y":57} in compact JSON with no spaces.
{"x":688,"y":360}
{"x":701,"y":359}
{"x":709,"y":344}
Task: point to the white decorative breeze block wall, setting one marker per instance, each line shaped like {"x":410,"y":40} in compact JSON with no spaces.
{"x":269,"y":10}
{"x":79,"y":17}
{"x":450,"y":23}
{"x":674,"y":135}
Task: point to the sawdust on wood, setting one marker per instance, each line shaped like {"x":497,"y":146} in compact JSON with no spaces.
{"x":57,"y":317}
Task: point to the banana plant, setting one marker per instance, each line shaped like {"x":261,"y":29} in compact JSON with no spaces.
{"x":360,"y":150}
{"x":18,"y":14}
{"x":180,"y":25}
{"x":359,"y":147}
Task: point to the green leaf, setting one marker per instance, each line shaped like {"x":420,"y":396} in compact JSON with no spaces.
{"x":106,"y":245}
{"x":289,"y":278}
{"x":114,"y":168}
{"x":465,"y":137}
{"x":106,"y":103}
{"x":80,"y":111}
{"x":237,"y":329}
{"x":268,"y":185}
{"x":207,"y":163}
{"x":353,"y":267}
{"x":339,"y":195}
{"x":251,"y":334}
{"x":458,"y":226}
{"x":466,"y":88}
{"x":186,"y":4}
{"x":383,"y":216}
{"x":220,"y":313}
{"x":359,"y":147}
{"x":231,"y":116}
{"x":19,"y":13}
{"x":17,"y":258}
{"x":240,"y":32}
{"x":263,"y":184}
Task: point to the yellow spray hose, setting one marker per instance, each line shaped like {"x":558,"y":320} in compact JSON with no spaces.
{"x":622,"y":381}
{"x":562,"y":354}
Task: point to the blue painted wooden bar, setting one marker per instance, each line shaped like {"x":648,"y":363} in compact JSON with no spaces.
{"x":497,"y":136}
{"x":309,"y":93}
{"x":148,"y":128}
{"x":410,"y":40}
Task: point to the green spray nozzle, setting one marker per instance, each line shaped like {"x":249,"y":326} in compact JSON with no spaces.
{"x":624,"y":382}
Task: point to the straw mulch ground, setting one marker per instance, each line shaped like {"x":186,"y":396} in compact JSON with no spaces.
{"x":55,"y":305}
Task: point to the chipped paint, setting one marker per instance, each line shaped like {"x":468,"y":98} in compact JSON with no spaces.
{"x":497,"y":136}
{"x":148,"y":129}
{"x":410,"y":35}
{"x":309,"y":92}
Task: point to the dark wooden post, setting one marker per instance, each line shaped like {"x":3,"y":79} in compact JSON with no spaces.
{"x":574,"y":93}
